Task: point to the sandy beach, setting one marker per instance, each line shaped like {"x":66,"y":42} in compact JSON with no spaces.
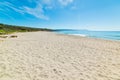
{"x":51,"y":56}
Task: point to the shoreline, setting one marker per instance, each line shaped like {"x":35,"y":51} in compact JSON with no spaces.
{"x":72,"y":35}
{"x":52,"y":56}
{"x":107,"y":35}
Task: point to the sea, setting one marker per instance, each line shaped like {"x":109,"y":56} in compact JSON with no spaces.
{"x":108,"y":35}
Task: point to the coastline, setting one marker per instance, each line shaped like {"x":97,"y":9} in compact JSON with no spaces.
{"x":87,"y":37}
{"x":53,"y":56}
{"x":107,"y":35}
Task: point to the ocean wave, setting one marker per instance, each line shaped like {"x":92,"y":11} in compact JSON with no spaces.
{"x":83,"y":35}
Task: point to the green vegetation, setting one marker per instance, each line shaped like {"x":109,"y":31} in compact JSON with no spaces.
{"x":7,"y":29}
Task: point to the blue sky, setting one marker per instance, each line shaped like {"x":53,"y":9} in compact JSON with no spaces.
{"x":62,"y":14}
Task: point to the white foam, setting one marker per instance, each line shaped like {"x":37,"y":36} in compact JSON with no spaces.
{"x":83,"y":35}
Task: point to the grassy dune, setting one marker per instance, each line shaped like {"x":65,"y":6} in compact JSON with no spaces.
{"x":7,"y":29}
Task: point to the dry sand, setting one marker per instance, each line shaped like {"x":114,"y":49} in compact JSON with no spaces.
{"x":50,"y":56}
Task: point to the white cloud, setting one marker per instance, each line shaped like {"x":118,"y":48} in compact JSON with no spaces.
{"x":65,"y":2}
{"x":37,"y":12}
{"x":8,"y":6}
{"x":47,"y":1}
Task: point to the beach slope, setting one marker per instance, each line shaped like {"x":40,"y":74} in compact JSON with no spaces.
{"x":51,"y":56}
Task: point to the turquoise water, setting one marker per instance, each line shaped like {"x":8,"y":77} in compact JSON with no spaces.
{"x":109,"y":35}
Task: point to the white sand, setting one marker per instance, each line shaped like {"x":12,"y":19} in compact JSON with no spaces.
{"x":50,"y":56}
